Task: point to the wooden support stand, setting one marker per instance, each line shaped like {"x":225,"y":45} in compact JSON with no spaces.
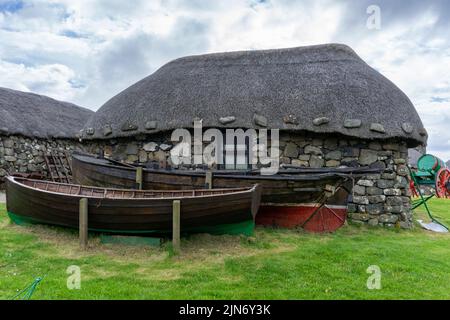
{"x":176,"y":226}
{"x":83,"y":223}
{"x":208,"y":180}
{"x":139,"y":172}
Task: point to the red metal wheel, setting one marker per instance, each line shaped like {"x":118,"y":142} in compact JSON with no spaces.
{"x":442,"y":183}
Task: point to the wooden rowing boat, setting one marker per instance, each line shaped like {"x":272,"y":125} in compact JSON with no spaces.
{"x":292,"y":198}
{"x":217,"y":211}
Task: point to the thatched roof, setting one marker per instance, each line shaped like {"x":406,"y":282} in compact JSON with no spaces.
{"x":33,"y":115}
{"x":326,"y":89}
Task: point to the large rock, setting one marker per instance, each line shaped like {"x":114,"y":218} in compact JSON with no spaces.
{"x":366,"y":183}
{"x":131,"y":149}
{"x":393,"y":209}
{"x":10,"y":158}
{"x":349,"y":162}
{"x":320,"y":121}
{"x":313,"y":150}
{"x":359,"y":190}
{"x":375,"y":209}
{"x":401,"y":182}
{"x":291,"y":150}
{"x":389,"y":175}
{"x":394,"y":201}
{"x":151,"y":125}
{"x":300,"y":163}
{"x":8,"y":143}
{"x":374,"y":191}
{"x":227,"y":120}
{"x":260,"y":120}
{"x":377,"y":199}
{"x":360,"y":216}
{"x":333,"y":163}
{"x":350,"y":152}
{"x":32,"y":167}
{"x":384,"y":184}
{"x":165,"y":147}
{"x":316,"y":162}
{"x":377,"y":127}
{"x":368,"y":157}
{"x":392,"y":192}
{"x":374,"y":145}
{"x":304,"y":157}
{"x":143,"y":156}
{"x":352,"y":123}
{"x":334,"y":155}
{"x":150,"y":147}
{"x":22,"y":156}
{"x":160,"y":155}
{"x":388,"y":218}
{"x":132,"y":158}
{"x":331,"y":144}
{"x":360,"y":200}
{"x":402,"y":170}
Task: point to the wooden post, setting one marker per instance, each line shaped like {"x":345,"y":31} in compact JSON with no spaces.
{"x":139,"y":172}
{"x":83,"y":223}
{"x":208,"y":180}
{"x":176,"y":226}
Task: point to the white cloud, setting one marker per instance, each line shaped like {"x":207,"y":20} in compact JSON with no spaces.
{"x":54,"y":80}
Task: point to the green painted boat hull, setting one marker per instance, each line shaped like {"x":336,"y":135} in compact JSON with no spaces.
{"x":243,"y":228}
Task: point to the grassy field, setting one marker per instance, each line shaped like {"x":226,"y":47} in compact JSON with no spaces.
{"x":274,"y":264}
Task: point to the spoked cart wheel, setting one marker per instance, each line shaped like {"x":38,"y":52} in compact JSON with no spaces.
{"x":443,"y":183}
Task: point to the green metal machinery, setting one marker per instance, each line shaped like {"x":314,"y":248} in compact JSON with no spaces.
{"x":432,"y":172}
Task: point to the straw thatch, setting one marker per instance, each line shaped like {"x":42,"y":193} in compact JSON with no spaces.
{"x":32,"y":115}
{"x":324,"y":89}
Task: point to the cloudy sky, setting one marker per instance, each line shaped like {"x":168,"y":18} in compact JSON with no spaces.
{"x":86,"y":51}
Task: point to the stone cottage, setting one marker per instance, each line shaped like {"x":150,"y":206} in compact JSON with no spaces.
{"x":332,"y":110}
{"x":31,"y":125}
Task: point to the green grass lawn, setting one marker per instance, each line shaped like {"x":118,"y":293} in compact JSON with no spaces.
{"x":274,"y":264}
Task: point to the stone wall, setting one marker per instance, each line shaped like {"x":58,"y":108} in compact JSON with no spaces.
{"x":26,"y":155}
{"x":378,"y":199}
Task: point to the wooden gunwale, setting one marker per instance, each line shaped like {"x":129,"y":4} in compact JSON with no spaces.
{"x":147,"y":194}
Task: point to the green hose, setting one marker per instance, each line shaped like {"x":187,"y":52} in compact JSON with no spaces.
{"x":26,"y":293}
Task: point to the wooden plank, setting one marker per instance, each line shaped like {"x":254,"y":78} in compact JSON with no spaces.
{"x":139,"y":172}
{"x":208,"y":180}
{"x":83,"y":223}
{"x":176,"y":226}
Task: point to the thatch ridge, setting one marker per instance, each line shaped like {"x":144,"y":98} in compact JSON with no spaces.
{"x":37,"y":116}
{"x":323,"y":89}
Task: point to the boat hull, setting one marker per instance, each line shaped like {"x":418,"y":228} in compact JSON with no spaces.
{"x":312,"y":217}
{"x":229,"y":213}
{"x":275,"y":189}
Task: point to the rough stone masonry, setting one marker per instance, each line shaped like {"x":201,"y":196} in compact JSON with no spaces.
{"x":378,"y":199}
